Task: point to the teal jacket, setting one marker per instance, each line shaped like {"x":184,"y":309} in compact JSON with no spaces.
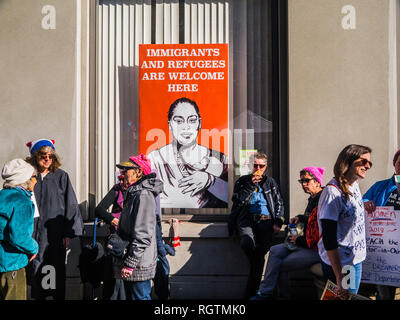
{"x":16,"y":227}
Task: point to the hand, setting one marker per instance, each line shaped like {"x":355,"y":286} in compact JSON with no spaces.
{"x":293,"y":238}
{"x":369,"y":206}
{"x":126,"y":273}
{"x":114,"y":222}
{"x":32,"y":257}
{"x":255,"y":179}
{"x":276,"y":229}
{"x":66,"y":242}
{"x":294,"y":220}
{"x":194,"y":183}
{"x":343,"y":294}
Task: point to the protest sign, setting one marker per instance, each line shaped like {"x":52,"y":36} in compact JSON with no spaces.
{"x":183,"y":114}
{"x":329,"y":293}
{"x":382,"y":232}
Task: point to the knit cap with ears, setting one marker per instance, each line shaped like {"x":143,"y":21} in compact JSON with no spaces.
{"x":142,"y":161}
{"x":317,"y":172}
{"x":37,"y":144}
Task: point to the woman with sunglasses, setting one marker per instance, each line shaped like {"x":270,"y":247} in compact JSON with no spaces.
{"x":281,"y":259}
{"x":385,"y":193}
{"x":342,"y":247}
{"x":59,"y":219}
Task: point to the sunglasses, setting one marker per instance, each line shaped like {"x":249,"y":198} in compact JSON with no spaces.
{"x":301,"y":181}
{"x":364,"y":162}
{"x":256,"y":165}
{"x":45,"y":156}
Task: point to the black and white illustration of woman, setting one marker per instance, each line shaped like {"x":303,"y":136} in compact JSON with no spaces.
{"x":194,"y":175}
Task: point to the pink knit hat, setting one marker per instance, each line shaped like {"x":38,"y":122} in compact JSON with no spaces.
{"x":142,"y":161}
{"x":317,"y":172}
{"x":396,"y":155}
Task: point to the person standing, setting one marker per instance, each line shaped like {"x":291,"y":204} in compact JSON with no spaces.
{"x":137,"y":226}
{"x":59,"y":219}
{"x":257,"y":215}
{"x":341,"y":219}
{"x":17,"y":247}
{"x":385,"y":193}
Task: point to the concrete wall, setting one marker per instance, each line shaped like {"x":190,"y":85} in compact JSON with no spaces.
{"x":42,"y":45}
{"x":342,"y":87}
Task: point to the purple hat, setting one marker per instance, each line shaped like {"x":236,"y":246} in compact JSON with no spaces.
{"x":142,"y":161}
{"x":396,"y":155}
{"x":317,"y":172}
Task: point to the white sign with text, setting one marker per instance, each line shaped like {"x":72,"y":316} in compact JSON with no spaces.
{"x":382,"y":232}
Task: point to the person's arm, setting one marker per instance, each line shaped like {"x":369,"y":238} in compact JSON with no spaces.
{"x":20,"y":229}
{"x":101,"y":210}
{"x":329,"y":239}
{"x":73,"y":219}
{"x":278,"y":203}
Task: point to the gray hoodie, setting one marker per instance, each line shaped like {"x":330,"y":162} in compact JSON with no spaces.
{"x":138,"y":225}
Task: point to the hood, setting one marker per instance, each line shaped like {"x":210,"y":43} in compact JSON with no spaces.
{"x":148,"y":182}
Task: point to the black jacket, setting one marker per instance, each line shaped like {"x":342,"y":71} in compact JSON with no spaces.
{"x":242,"y":194}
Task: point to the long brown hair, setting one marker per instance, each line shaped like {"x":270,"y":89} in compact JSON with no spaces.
{"x":343,"y":163}
{"x":34,"y":159}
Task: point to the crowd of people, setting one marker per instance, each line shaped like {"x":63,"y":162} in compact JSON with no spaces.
{"x":39,"y":215}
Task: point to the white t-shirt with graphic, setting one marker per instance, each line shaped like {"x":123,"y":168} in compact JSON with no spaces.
{"x":349,"y":216}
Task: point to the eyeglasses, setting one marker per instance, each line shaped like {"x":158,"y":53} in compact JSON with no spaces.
{"x":301,"y":181}
{"x":364,"y":162}
{"x":256,"y":165}
{"x":191,"y":120}
{"x":45,"y":156}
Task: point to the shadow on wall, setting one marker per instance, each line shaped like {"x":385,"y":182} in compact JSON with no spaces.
{"x":128,"y":111}
{"x":209,"y":266}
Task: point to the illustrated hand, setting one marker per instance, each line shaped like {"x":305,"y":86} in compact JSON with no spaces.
{"x":126,"y":273}
{"x":194,"y":183}
{"x":369,"y":206}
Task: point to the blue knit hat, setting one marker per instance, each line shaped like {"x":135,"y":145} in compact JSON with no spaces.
{"x":37,"y":144}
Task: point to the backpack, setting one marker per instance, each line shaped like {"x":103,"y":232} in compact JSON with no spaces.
{"x":312,"y":231}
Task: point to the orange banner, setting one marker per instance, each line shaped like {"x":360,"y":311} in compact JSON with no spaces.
{"x":183,"y":99}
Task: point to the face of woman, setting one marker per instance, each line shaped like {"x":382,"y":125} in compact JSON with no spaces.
{"x":397,"y":166}
{"x":130,"y":176}
{"x":184,"y":124}
{"x":45,"y":160}
{"x":309,"y":184}
{"x":359,"y":167}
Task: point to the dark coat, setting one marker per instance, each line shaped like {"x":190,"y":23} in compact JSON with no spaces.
{"x":242,"y":194}
{"x":138,"y":226}
{"x":60,"y":217}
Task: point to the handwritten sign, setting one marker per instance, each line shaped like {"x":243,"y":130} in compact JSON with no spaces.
{"x":382,"y":265}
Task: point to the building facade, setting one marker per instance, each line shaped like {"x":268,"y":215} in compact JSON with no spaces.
{"x":306,"y":78}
